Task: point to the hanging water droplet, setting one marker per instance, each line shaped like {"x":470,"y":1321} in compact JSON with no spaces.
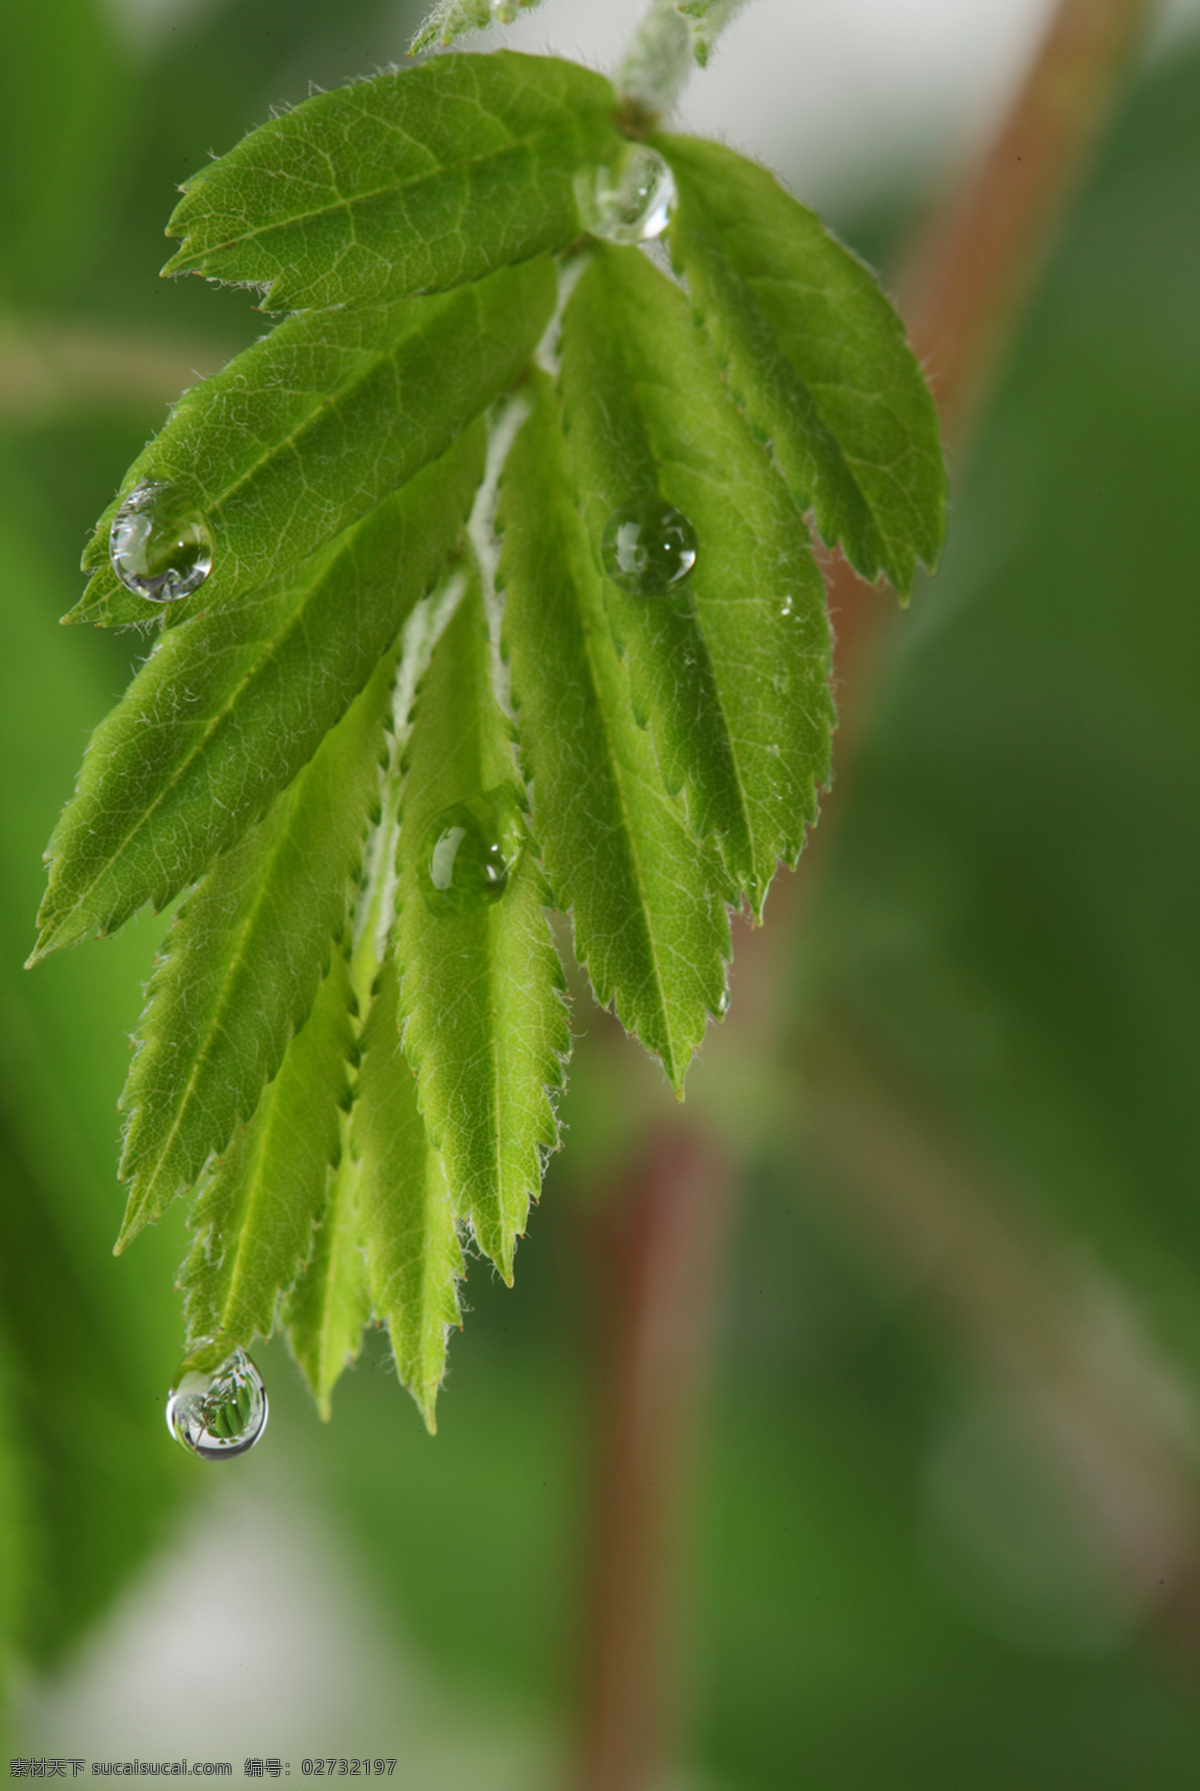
{"x":632,"y":206}
{"x":160,"y":543}
{"x":503,"y":11}
{"x":470,"y":851}
{"x":648,"y":547}
{"x":217,"y":1409}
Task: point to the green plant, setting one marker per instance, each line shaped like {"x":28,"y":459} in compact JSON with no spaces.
{"x":486,"y":400}
{"x":930,"y":1199}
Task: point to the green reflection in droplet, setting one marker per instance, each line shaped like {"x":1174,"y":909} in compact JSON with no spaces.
{"x":469,"y":852}
{"x":648,"y":547}
{"x":632,"y":204}
{"x":217,"y":1411}
{"x":160,"y":543}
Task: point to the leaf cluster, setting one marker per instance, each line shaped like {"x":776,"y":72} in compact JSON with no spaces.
{"x":412,"y":483}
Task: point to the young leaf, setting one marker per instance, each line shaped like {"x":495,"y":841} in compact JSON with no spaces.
{"x":648,"y":898}
{"x":331,"y":1304}
{"x":405,"y":1218}
{"x":708,"y":18}
{"x":480,"y":1001}
{"x":243,"y":960}
{"x":231,"y":705}
{"x":817,"y":357}
{"x":451,"y":19}
{"x":303,"y":434}
{"x":731,"y":668}
{"x":255,"y":1215}
{"x":412,"y":182}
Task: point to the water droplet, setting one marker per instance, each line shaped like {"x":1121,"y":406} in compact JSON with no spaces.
{"x":633,"y":206}
{"x":723,"y":1004}
{"x":504,"y":11}
{"x":160,"y":543}
{"x":218,"y":1406}
{"x":648,"y":547}
{"x":470,"y":851}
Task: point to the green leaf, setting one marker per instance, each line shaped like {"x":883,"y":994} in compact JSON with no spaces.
{"x":730,"y":668}
{"x":708,"y":18}
{"x":331,"y":1303}
{"x":648,"y":898}
{"x":231,"y":705}
{"x":243,"y":961}
{"x":255,"y":1215}
{"x":406,"y":1221}
{"x":451,"y":19}
{"x":817,"y":357}
{"x":411,"y":182}
{"x":303,"y":434}
{"x":356,"y":1059}
{"x":481,"y":993}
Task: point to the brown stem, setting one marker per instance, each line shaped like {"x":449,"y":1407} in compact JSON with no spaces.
{"x":657,"y":1250}
{"x":965,"y":280}
{"x":968,"y":274}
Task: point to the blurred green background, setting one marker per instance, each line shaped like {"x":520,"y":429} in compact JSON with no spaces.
{"x":944,"y":1524}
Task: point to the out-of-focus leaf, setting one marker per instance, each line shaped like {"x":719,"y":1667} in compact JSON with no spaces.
{"x":648,"y":898}
{"x":480,"y":998}
{"x":88,"y":1345}
{"x":412,"y":182}
{"x":731,"y":669}
{"x":229,"y":707}
{"x":16,"y":1528}
{"x":65,"y":128}
{"x":817,"y":357}
{"x":305,"y":433}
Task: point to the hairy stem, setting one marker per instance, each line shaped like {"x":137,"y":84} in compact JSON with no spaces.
{"x":654,"y":69}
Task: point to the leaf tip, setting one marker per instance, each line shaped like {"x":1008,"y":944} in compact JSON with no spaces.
{"x":132,"y":1224}
{"x":52,"y":935}
{"x":183,"y":261}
